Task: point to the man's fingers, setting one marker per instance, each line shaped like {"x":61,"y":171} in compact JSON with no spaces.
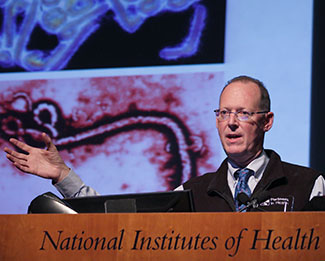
{"x":7,"y":150}
{"x":20,"y":144}
{"x":48,"y":142}
{"x":46,"y":139}
{"x":22,"y":168}
{"x":11,"y":158}
{"x":19,"y":163}
{"x":15,"y":159}
{"x":15,"y":154}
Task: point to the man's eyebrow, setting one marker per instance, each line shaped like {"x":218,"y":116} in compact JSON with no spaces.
{"x":236,"y":109}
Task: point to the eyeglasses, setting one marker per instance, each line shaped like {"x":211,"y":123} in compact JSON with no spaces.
{"x":223,"y":115}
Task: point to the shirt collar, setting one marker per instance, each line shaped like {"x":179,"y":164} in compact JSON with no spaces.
{"x":258,"y":165}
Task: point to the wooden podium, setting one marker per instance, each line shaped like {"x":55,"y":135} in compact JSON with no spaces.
{"x":163,"y":236}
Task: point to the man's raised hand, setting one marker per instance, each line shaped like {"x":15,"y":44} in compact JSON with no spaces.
{"x":46,"y":163}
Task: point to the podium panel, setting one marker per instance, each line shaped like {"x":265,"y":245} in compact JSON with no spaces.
{"x":163,"y":236}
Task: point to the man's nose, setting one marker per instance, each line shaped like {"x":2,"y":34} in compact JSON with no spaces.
{"x":233,"y":120}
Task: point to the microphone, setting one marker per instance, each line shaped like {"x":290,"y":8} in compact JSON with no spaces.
{"x":242,"y":198}
{"x":254,"y":202}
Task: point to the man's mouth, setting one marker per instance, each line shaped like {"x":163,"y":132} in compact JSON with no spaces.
{"x":233,"y":137}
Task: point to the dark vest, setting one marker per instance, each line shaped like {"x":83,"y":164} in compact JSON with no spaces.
{"x":282,"y":181}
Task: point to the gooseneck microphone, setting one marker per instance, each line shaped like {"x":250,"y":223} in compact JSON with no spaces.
{"x":254,"y":202}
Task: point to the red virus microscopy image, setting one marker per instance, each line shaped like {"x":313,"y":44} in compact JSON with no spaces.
{"x":119,"y":133}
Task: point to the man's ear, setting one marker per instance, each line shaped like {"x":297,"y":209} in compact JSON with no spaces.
{"x":268,"y":121}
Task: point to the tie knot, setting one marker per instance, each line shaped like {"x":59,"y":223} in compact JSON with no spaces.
{"x":243,"y":174}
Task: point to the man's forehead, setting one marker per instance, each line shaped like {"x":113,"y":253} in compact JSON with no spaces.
{"x":244,"y":85}
{"x":241,"y":93}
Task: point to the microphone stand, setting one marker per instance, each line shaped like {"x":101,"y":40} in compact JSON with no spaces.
{"x":249,"y":207}
{"x":253,"y":203}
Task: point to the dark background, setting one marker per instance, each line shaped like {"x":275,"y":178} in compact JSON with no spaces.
{"x":317,"y":131}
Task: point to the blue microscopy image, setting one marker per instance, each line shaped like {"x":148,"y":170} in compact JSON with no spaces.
{"x":49,"y":35}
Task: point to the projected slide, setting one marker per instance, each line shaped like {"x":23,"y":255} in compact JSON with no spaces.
{"x":126,"y":88}
{"x":125,"y":134}
{"x":57,"y":34}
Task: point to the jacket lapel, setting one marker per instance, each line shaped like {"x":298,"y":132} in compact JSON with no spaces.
{"x":277,"y":178}
{"x":219,"y":185}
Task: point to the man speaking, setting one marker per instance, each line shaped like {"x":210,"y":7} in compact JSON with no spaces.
{"x":251,"y":177}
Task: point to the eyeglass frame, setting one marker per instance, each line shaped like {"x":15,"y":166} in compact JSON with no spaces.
{"x":249,"y":114}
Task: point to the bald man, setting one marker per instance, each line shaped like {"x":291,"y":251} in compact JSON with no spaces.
{"x":249,"y":172}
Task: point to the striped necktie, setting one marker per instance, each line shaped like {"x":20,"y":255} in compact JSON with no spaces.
{"x":242,"y":186}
